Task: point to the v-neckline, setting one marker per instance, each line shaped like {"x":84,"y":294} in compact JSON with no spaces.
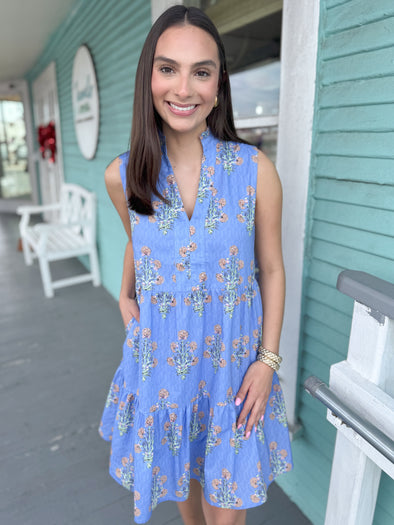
{"x":202,"y":136}
{"x":197,"y":193}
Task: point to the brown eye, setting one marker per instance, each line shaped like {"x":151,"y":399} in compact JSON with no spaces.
{"x":166,"y":69}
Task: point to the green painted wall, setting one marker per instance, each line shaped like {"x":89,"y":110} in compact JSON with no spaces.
{"x":114,"y":31}
{"x":350,"y":220}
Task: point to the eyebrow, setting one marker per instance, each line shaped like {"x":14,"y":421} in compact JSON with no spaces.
{"x":161,"y":58}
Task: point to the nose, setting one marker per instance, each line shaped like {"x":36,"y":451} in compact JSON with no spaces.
{"x":183,"y":87}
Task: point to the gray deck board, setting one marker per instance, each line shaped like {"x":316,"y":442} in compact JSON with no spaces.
{"x":57,"y":359}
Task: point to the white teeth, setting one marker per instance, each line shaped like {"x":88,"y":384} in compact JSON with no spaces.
{"x":187,"y":108}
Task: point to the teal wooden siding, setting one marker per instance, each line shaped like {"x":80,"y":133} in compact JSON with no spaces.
{"x":350,"y":218}
{"x":114,"y":31}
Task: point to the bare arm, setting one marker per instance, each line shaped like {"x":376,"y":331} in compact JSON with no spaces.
{"x":127,"y":304}
{"x":268,"y":248}
{"x":256,"y":385}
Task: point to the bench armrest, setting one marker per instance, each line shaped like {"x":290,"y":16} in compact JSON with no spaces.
{"x":30,"y":210}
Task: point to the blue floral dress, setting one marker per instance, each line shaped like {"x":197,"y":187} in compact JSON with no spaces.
{"x":170,"y":411}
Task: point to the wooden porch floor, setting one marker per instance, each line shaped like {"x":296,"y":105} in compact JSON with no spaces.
{"x":57,"y":358}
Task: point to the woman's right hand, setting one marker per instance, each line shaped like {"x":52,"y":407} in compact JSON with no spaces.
{"x":129,"y":308}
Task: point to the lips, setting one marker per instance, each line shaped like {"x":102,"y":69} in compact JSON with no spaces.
{"x":185,"y":109}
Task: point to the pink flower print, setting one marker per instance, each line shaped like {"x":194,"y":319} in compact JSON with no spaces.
{"x":192,"y":246}
{"x":242,"y":204}
{"x":145,"y":250}
{"x":202,"y":277}
{"x":167,"y":425}
{"x":215,"y":484}
{"x":233,"y":250}
{"x":192,"y":230}
{"x":149,"y":421}
{"x":222,"y":263}
{"x":146,"y":332}
{"x":157,"y":264}
{"x":250,"y":190}
{"x":183,"y":251}
{"x":180,"y":267}
{"x":159,"y":279}
{"x":254,"y":482}
{"x":183,"y":334}
{"x":155,"y":471}
{"x":163,"y":393}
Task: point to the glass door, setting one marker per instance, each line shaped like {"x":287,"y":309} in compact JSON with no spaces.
{"x":14,"y":170}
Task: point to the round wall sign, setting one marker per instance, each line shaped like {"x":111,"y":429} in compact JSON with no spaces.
{"x":85,"y":102}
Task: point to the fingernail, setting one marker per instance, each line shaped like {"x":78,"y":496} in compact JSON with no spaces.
{"x":262,"y":417}
{"x":239,"y":426}
{"x":238,"y":401}
{"x":247,"y":434}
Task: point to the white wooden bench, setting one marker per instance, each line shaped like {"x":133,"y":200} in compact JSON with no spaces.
{"x":74,"y":235}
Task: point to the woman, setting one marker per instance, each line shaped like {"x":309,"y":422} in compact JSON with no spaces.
{"x":195,"y":411}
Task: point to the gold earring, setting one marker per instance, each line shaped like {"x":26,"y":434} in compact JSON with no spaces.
{"x":216,"y":102}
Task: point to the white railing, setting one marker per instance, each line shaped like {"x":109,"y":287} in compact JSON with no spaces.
{"x":362,"y":386}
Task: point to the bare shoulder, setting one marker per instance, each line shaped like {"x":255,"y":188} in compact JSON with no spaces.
{"x":268,"y":181}
{"x":112,"y":174}
{"x":113,"y":183}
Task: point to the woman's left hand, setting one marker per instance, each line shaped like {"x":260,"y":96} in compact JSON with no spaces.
{"x":254,"y":391}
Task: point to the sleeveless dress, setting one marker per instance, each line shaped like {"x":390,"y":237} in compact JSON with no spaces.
{"x":170,"y":411}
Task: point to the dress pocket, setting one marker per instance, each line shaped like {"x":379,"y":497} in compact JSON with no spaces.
{"x":129,"y":325}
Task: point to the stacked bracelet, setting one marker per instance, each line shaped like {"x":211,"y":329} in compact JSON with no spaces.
{"x":269,"y":358}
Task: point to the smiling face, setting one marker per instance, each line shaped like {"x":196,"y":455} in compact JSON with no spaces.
{"x":185,"y":78}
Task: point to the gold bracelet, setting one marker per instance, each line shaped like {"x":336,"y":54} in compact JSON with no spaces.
{"x":269,"y":358}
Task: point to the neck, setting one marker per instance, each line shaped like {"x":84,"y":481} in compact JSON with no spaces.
{"x":183,"y":147}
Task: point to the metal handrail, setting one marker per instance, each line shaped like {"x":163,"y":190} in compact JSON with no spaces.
{"x":375,"y":437}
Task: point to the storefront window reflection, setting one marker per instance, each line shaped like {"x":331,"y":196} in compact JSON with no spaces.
{"x":255,"y":92}
{"x":14,"y":175}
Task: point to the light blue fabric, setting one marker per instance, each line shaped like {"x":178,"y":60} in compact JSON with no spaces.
{"x":170,"y":410}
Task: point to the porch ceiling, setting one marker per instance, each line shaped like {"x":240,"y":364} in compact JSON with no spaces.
{"x":25,"y":27}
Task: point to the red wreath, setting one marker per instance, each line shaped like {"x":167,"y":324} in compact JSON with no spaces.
{"x":47,"y":141}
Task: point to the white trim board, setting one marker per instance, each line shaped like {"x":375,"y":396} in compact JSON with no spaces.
{"x":300,"y":26}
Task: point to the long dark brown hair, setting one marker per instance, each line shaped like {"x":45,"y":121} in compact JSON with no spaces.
{"x":145,"y":153}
